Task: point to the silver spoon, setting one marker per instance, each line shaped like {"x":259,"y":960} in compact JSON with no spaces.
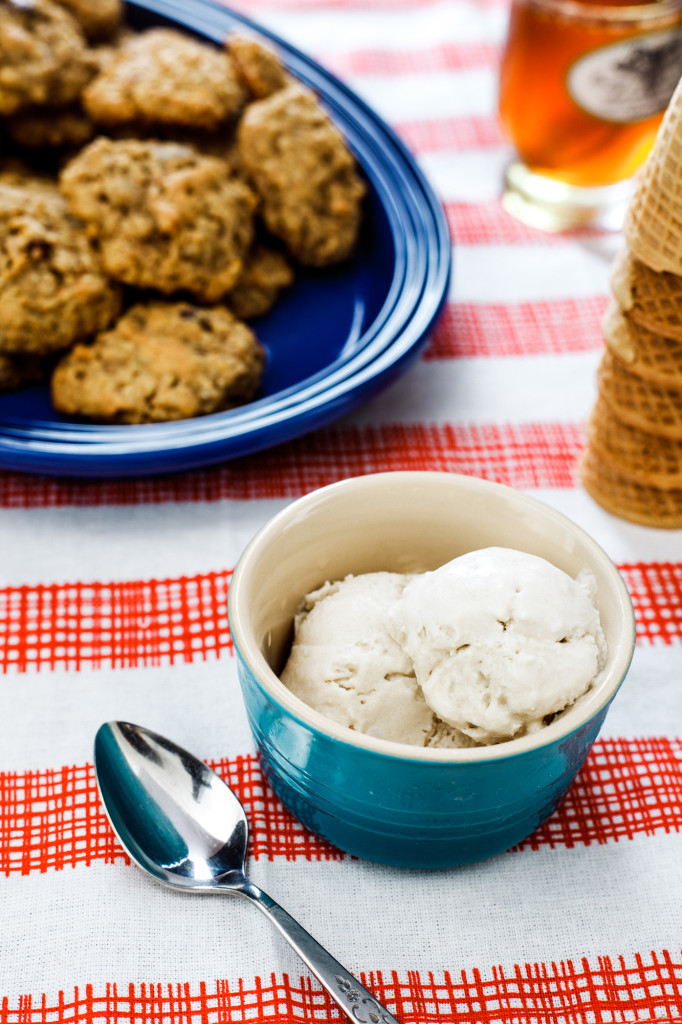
{"x":180,"y":822}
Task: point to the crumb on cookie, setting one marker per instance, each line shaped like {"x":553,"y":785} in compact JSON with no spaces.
{"x":266,"y":273}
{"x":259,"y":67}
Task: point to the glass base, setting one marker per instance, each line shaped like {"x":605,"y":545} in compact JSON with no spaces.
{"x":552,"y":205}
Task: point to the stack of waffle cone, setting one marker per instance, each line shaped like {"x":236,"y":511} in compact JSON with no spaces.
{"x":653,"y":224}
{"x":632,"y":464}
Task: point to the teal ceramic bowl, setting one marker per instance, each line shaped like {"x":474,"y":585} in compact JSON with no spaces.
{"x":385,"y":801}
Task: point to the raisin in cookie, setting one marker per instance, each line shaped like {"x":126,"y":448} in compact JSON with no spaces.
{"x":304,"y":174}
{"x":161,"y":77}
{"x":53,"y":289}
{"x":164,"y":216}
{"x":43,"y":55}
{"x":162,"y":361}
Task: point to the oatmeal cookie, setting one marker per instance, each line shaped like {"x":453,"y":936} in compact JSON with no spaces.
{"x":38,"y":127}
{"x":266,"y":272}
{"x":259,"y":68}
{"x":161,"y":77}
{"x":163,"y":361}
{"x":304,"y":174}
{"x":43,"y":55}
{"x":99,"y":19}
{"x":164,"y":216}
{"x":53,"y":290}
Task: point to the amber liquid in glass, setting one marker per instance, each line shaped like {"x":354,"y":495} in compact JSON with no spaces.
{"x":552,"y":134}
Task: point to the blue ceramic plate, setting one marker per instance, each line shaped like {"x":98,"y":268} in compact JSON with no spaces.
{"x":333,"y":340}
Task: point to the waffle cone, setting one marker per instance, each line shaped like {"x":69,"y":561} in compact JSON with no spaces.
{"x":641,"y":457}
{"x":626,"y":498}
{"x":650,"y":356}
{"x":639,"y":403}
{"x":651,"y":299}
{"x":653,"y":222}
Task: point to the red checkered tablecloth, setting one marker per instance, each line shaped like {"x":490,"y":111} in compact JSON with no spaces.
{"x":113,"y":605}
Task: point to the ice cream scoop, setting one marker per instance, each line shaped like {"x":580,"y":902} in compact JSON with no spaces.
{"x":345,"y":663}
{"x":500,"y":640}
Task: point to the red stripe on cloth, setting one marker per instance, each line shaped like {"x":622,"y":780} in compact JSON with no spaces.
{"x":52,"y":819}
{"x":143,"y":623}
{"x":520,"y":455}
{"x":114,"y":625}
{"x":525,"y":328}
{"x":625,"y":788}
{"x":639,"y":987}
{"x":656,"y":591}
{"x":445,"y":57}
{"x":487,"y":223}
{"x":450,"y":133}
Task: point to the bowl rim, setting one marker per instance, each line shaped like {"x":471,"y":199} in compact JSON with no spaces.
{"x":578,"y":715}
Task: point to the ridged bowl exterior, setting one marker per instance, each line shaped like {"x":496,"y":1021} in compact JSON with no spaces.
{"x":409,"y":813}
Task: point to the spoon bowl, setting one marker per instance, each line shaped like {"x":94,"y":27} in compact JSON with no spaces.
{"x":181,"y":823}
{"x":176,"y":818}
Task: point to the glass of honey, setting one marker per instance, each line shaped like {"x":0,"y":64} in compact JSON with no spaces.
{"x":582,"y":91}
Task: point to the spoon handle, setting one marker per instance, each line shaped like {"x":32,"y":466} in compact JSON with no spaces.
{"x":353,"y":998}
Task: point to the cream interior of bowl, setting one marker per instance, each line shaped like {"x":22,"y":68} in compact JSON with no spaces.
{"x":403,"y":522}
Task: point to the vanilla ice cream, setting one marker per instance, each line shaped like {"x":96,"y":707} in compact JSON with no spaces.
{"x":344,"y":662}
{"x":490,"y":646}
{"x":500,"y":640}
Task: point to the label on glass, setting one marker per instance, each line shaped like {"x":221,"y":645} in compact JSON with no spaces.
{"x":628,"y":81}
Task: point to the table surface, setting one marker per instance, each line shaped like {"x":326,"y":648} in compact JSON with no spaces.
{"x":113,"y":602}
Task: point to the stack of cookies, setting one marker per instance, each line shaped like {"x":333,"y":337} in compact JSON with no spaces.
{"x":633,"y":461}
